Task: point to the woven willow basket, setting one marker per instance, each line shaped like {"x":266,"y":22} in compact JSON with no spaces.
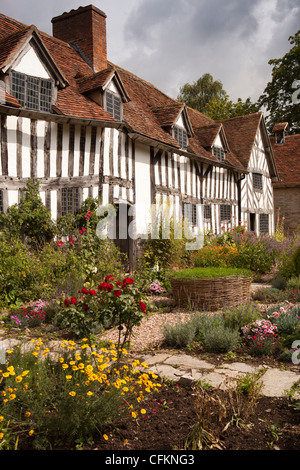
{"x":211,"y":294}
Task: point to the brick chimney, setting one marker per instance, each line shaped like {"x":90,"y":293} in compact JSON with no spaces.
{"x":85,"y":30}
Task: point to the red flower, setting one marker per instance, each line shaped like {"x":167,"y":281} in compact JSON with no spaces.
{"x":142,"y":306}
{"x":71,"y":240}
{"x":92,"y":292}
{"x":82,"y":231}
{"x":84,"y":291}
{"x":128,"y":280}
{"x":119,"y":284}
{"x":109,"y":278}
{"x":106,"y":286}
{"x":88,"y":215}
{"x":67,"y":303}
{"x":86,"y":307}
{"x":60,"y":243}
{"x":117,"y":293}
{"x":73,"y":300}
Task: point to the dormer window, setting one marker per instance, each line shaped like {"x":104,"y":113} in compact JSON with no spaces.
{"x":113,"y":105}
{"x":32,"y":92}
{"x":180,"y":135}
{"x":219,"y":153}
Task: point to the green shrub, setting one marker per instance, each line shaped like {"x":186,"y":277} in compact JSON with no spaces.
{"x":221,"y":339}
{"x":241,"y":315}
{"x":30,"y":220}
{"x":279,"y":283}
{"x":180,"y":335}
{"x":294,"y":282}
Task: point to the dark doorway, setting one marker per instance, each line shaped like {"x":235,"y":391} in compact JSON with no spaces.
{"x":252,"y":222}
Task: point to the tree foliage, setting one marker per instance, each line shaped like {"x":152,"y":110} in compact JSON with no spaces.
{"x":208,"y":96}
{"x":281,"y":95}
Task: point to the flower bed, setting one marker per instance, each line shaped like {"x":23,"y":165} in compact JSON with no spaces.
{"x":211,"y":289}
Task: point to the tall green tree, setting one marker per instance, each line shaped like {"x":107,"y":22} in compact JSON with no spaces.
{"x":281,"y":97}
{"x":198,"y":94}
{"x":208,"y":96}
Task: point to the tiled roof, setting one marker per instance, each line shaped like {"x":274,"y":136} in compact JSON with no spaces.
{"x":147,"y":111}
{"x":240,"y":133}
{"x":287,"y":158}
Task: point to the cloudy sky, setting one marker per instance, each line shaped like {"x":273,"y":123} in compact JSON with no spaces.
{"x":172,"y":42}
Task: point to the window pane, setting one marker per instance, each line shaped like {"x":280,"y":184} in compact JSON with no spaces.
{"x":207,"y":212}
{"x":113,"y":106}
{"x":190,"y":212}
{"x":18,"y":87}
{"x":45,"y":95}
{"x":225,"y":212}
{"x":181,"y":136}
{"x":257,"y":181}
{"x":219,"y":153}
{"x":264,"y":223}
{"x":33,"y":92}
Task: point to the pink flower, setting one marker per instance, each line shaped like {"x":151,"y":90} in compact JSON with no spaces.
{"x":60,"y":243}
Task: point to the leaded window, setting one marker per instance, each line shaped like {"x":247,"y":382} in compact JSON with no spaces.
{"x":32,"y":92}
{"x":225,"y":212}
{"x":207,"y":212}
{"x":181,"y":136}
{"x":219,"y":153}
{"x":257,"y":181}
{"x":113,"y":105}
{"x":264,"y":223}
{"x":69,"y":201}
{"x":190,"y":212}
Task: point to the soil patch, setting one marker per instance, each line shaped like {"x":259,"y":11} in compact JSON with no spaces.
{"x":171,"y":414}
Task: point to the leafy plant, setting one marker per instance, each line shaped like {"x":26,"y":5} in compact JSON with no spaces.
{"x":30,"y":220}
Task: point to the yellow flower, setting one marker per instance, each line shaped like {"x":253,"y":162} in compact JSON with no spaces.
{"x":1,"y":418}
{"x":65,"y":366}
{"x":12,"y":396}
{"x":105,"y":436}
{"x":89,"y":393}
{"x":19,"y":379}
{"x":31,"y":432}
{"x":72,"y":394}
{"x":68,"y":377}
{"x":134,"y":414}
{"x":27,"y":414}
{"x":1,"y":435}
{"x":24,"y":373}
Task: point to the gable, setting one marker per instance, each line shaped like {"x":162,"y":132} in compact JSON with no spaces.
{"x":30,"y":64}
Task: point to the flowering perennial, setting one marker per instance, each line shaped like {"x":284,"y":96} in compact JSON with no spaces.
{"x":259,"y":330}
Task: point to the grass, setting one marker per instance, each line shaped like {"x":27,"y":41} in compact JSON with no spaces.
{"x":210,"y":272}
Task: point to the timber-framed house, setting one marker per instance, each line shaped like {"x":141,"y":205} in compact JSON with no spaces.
{"x":83,"y":127}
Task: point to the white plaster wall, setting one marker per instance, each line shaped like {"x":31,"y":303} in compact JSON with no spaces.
{"x":142,"y":188}
{"x":30,"y":64}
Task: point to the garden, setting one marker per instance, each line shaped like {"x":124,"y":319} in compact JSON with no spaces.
{"x":74,"y":312}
